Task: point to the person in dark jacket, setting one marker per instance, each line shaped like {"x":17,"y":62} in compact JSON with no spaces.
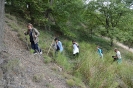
{"x":33,"y":34}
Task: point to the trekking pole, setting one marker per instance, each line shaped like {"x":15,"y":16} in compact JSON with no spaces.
{"x":50,"y":47}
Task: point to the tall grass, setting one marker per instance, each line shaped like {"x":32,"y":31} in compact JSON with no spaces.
{"x":63,"y":61}
{"x":100,"y":73}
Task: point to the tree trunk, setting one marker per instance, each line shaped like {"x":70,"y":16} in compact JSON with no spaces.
{"x":91,"y":32}
{"x":1,"y":23}
{"x":30,"y":12}
{"x":111,"y":42}
{"x":51,"y":2}
{"x":107,"y":25}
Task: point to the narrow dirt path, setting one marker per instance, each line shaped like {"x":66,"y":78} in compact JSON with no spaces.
{"x":124,"y":46}
{"x":34,"y":73}
{"x":121,"y":45}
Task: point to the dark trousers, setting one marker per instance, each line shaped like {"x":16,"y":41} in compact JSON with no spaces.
{"x":35,"y":47}
{"x":76,"y":55}
{"x":115,"y":59}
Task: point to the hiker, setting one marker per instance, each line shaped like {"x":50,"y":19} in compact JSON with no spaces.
{"x":58,"y":45}
{"x":99,"y":50}
{"x":75,"y":48}
{"x":33,"y":35}
{"x":117,"y":57}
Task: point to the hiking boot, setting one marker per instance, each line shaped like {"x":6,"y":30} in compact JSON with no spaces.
{"x":35,"y":53}
{"x":40,"y":51}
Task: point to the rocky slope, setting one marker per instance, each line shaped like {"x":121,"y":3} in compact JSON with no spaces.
{"x":21,"y":69}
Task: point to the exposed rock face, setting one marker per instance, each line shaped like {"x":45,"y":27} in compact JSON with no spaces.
{"x":1,"y":23}
{"x":1,"y":42}
{"x":21,"y":69}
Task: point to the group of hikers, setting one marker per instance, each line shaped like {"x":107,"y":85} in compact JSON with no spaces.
{"x":34,"y":33}
{"x":117,"y":57}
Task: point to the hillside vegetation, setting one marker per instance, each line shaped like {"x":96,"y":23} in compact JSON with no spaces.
{"x":88,"y":69}
{"x":88,"y":24}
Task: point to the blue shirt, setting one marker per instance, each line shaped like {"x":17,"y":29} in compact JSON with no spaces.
{"x":59,"y":44}
{"x":100,"y":51}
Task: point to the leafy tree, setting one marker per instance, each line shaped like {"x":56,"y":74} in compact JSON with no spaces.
{"x":75,"y":18}
{"x":126,"y":33}
{"x":67,"y":15}
{"x":30,"y":9}
{"x":109,"y":13}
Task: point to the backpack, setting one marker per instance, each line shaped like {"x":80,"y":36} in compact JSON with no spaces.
{"x":77,"y":45}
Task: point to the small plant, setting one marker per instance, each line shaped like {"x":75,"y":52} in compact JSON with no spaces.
{"x":75,"y":82}
{"x":11,"y":65}
{"x":37,"y":78}
{"x":48,"y":85}
{"x":47,"y":59}
{"x":70,"y":82}
{"x":31,"y":51}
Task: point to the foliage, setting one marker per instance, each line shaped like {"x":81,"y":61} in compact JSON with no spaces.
{"x":79,"y":19}
{"x":108,"y":15}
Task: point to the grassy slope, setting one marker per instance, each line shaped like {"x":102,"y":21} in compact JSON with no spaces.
{"x":95,"y":72}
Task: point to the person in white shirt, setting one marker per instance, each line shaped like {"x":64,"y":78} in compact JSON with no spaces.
{"x":75,"y":48}
{"x":117,"y":57}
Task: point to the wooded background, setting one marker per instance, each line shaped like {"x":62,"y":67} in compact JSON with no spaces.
{"x":78,"y":18}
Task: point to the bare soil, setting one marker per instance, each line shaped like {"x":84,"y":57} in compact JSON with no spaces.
{"x":31,"y":71}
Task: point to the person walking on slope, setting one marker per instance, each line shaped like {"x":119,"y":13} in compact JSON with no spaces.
{"x":99,"y":50}
{"x":33,"y":35}
{"x":117,"y":57}
{"x":58,"y":45}
{"x":75,"y":48}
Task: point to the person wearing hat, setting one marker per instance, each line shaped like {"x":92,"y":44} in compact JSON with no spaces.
{"x":58,"y":45}
{"x":117,"y":57}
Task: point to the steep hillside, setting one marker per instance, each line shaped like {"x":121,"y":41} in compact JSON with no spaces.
{"x":21,"y":69}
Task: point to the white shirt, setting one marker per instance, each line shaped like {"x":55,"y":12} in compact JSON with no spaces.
{"x":118,"y":54}
{"x":75,"y":49}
